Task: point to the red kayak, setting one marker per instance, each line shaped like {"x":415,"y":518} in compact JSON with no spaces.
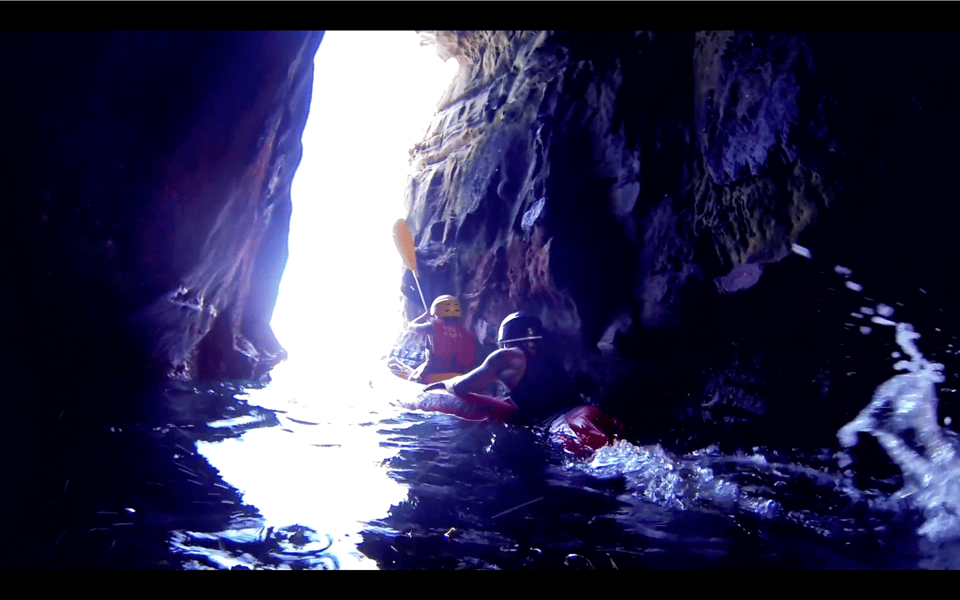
{"x":581,"y":431}
{"x":584,"y":430}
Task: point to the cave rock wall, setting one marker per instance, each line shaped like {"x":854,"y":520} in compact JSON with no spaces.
{"x":150,"y":175}
{"x":585,"y":178}
{"x":614,"y":182}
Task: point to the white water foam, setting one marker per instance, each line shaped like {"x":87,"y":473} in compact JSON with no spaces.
{"x":902,"y":416}
{"x":905,"y":408}
{"x":657,"y":476}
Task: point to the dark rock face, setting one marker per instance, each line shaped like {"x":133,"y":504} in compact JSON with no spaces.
{"x":151,"y":173}
{"x":149,"y":178}
{"x":610,"y":182}
{"x":604,"y":180}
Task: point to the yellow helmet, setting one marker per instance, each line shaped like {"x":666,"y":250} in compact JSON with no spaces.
{"x":445,"y":306}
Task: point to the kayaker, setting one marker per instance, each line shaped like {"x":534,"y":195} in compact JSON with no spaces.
{"x":451,"y":348}
{"x":540,"y":390}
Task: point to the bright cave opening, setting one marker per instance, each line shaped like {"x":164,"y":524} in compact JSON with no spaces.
{"x":374,"y":94}
{"x":338,"y":310}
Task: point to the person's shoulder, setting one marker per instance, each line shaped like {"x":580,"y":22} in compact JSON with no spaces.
{"x":503,"y":356}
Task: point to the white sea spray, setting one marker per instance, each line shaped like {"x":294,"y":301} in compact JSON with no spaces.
{"x":905,"y":407}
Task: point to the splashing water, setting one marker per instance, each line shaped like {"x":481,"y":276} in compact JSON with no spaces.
{"x":902,"y":416}
{"x":675,"y":482}
{"x":484,"y":495}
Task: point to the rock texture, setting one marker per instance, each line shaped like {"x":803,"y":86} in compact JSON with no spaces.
{"x":611,"y":182}
{"x":603,"y":180}
{"x":151,"y":175}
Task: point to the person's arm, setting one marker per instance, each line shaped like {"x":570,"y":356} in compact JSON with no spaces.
{"x":418,"y":324}
{"x":505,"y":365}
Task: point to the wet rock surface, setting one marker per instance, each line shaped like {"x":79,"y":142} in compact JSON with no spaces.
{"x":151,"y":176}
{"x":612,"y":183}
{"x":148,"y":174}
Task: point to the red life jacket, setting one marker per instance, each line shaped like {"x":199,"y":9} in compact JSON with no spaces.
{"x":452,"y":348}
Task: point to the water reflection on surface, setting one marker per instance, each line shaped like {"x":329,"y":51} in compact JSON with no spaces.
{"x":338,"y":478}
{"x":315,"y":478}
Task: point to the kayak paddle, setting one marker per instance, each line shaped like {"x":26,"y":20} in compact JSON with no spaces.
{"x":404,"y":241}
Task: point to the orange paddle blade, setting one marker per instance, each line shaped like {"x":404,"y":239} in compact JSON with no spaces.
{"x":404,"y":241}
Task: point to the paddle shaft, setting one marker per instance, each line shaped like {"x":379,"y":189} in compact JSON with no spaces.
{"x":415,"y":278}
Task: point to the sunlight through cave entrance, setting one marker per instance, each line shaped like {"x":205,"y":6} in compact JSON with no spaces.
{"x":338,"y":309}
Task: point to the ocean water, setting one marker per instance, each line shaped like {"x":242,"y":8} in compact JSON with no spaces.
{"x":313,"y":471}
{"x":347,"y":479}
{"x":390,"y":489}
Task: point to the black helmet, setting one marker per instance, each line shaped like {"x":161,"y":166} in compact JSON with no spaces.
{"x":520,"y":327}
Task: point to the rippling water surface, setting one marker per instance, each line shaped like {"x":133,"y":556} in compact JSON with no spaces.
{"x":324,"y":471}
{"x":351,"y":482}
